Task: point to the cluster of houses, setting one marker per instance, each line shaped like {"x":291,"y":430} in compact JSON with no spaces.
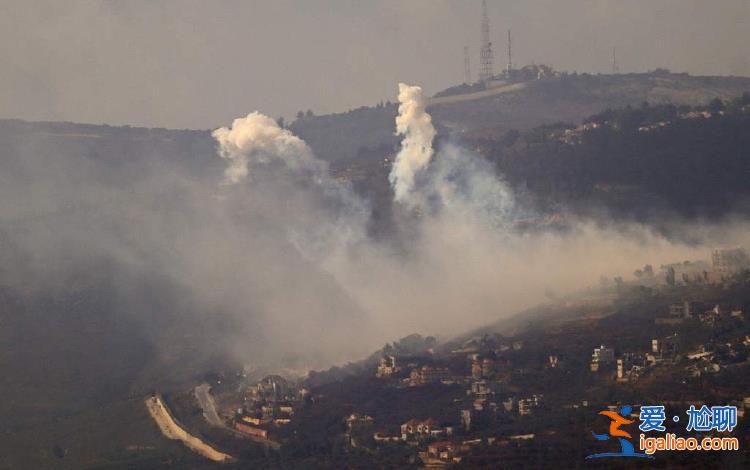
{"x":527,"y":405}
{"x":708,"y":359}
{"x":708,"y":314}
{"x":711,"y":358}
{"x":269,"y":404}
{"x":417,"y":430}
{"x":428,"y":374}
{"x":437,"y":441}
{"x":387,"y":367}
{"x":725,"y":263}
{"x":629,"y":366}
{"x":489,"y":365}
{"x":413,"y":431}
{"x":419,"y":374}
{"x":486,"y":369}
{"x":444,"y":452}
{"x":601,"y":357}
{"x":575,"y":135}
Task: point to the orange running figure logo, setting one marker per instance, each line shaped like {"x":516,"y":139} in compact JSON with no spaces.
{"x":626,"y":447}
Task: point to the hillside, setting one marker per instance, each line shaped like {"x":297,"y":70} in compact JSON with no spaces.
{"x":651,"y":163}
{"x":83,"y":352}
{"x":513,"y":389}
{"x":92,"y":318}
{"x":644,"y":162}
{"x":520,"y":106}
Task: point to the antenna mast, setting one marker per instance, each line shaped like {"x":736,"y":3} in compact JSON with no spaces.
{"x":510,"y":54}
{"x":485,"y":53}
{"x":615,"y":68}
{"x":467,"y":66}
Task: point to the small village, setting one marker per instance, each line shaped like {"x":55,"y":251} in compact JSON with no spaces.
{"x":490,"y":395}
{"x":664,"y":116}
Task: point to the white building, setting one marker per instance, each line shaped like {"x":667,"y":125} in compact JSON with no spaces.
{"x":601,"y":356}
{"x":387,"y":367}
{"x":727,"y":262}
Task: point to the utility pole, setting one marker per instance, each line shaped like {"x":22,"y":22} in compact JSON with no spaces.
{"x":467,"y":66}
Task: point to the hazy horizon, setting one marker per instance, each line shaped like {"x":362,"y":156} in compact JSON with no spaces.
{"x":189,"y":64}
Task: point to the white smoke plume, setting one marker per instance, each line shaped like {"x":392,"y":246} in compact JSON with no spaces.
{"x":321,"y":217}
{"x":456,"y":183}
{"x":415,"y":125}
{"x":258,"y":139}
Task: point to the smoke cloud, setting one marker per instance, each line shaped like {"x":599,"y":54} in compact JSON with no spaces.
{"x":415,"y":125}
{"x":320,"y":233}
{"x":267,"y":258}
{"x":258,"y":139}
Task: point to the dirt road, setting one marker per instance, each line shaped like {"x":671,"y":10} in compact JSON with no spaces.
{"x":208,"y":405}
{"x":172,"y":430}
{"x":477,"y":95}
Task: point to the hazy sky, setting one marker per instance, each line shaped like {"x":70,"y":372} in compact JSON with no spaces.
{"x":198,"y":64}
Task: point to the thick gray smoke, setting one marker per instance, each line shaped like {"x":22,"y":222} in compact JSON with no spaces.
{"x":465,"y":262}
{"x":270,"y":256}
{"x":237,"y":268}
